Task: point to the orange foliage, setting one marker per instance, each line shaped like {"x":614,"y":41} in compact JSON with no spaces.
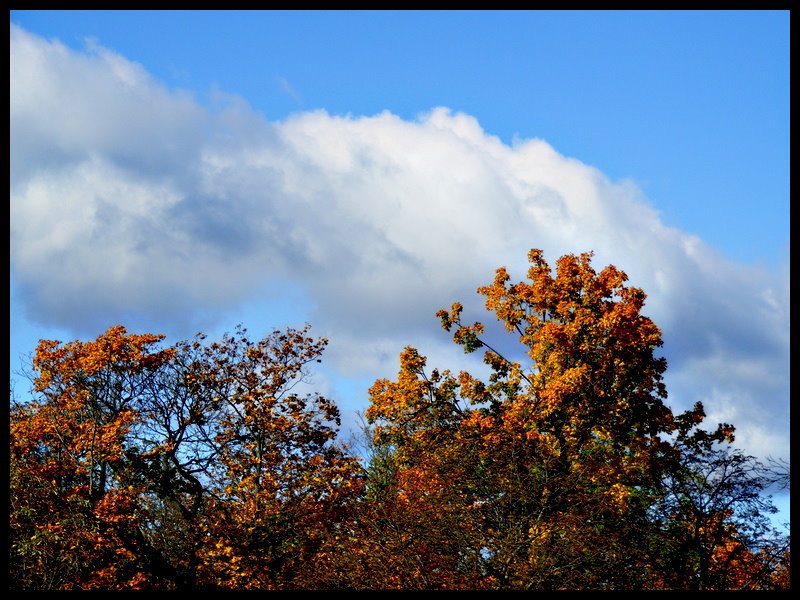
{"x":191,"y":466}
{"x":199,"y":466}
{"x":552,"y":462}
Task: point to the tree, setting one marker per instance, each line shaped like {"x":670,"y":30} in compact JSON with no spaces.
{"x":713,"y":520}
{"x":552,"y":465}
{"x":74,"y":521}
{"x":188,"y":467}
{"x":202,"y":466}
{"x":280,"y":486}
{"x":408,"y":533}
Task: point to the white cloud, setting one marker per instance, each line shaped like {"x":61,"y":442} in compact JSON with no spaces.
{"x":132,"y":201}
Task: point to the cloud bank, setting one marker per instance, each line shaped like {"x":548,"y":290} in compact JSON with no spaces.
{"x":134,"y":203}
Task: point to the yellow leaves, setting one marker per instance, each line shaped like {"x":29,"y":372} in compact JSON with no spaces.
{"x":116,"y":351}
{"x":726,"y":432}
{"x":137,"y":582}
{"x":117,"y":506}
{"x":451,"y":317}
{"x":495,"y":292}
{"x":472,"y":388}
{"x":227,"y":566}
{"x":619,"y":496}
{"x":411,"y":361}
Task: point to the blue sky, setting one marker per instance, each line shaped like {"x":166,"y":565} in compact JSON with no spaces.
{"x":693,"y":106}
{"x":183,"y":170}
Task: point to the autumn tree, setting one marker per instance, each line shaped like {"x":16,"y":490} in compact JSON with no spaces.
{"x":554,"y":461}
{"x":188,"y":467}
{"x":74,"y":518}
{"x":409,"y":532}
{"x":210,"y":466}
{"x":713,"y":520}
{"x":280,"y":485}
